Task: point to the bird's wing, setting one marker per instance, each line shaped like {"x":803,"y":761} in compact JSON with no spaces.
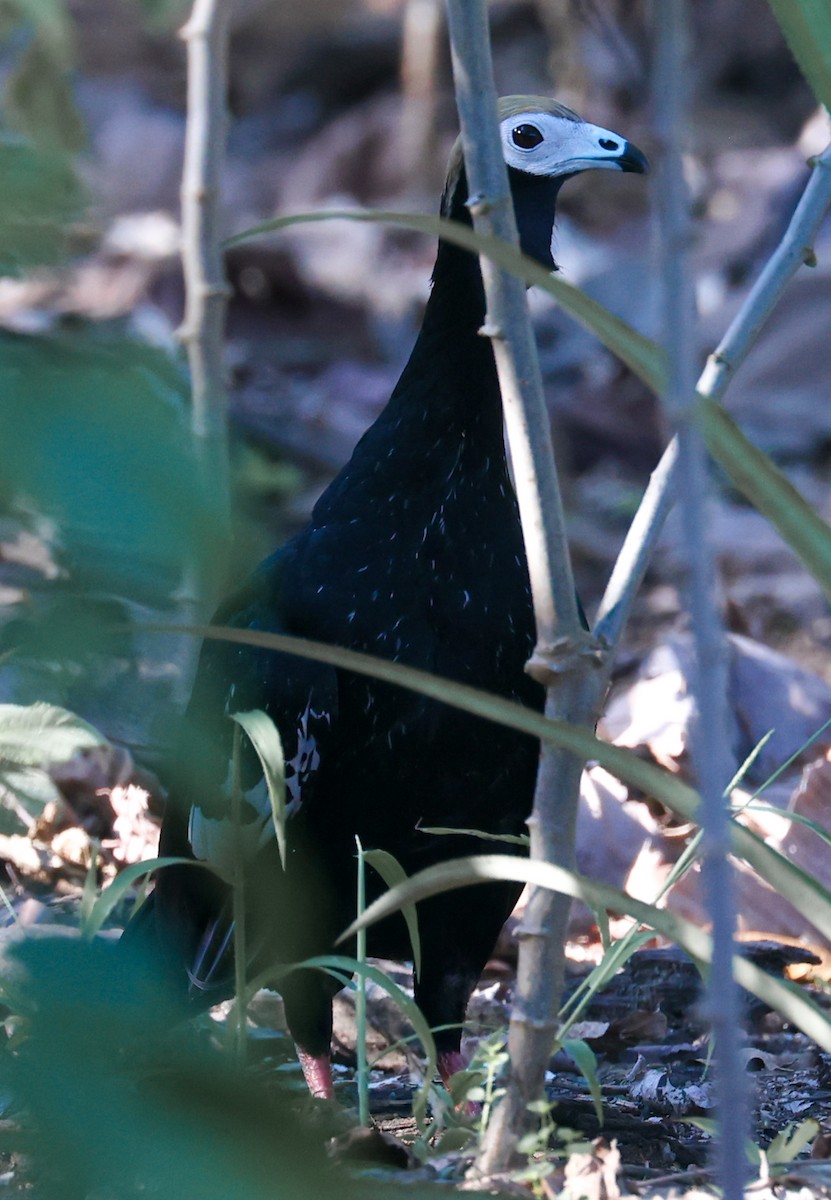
{"x":300,"y":698}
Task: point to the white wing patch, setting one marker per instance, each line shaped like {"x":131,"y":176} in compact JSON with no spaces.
{"x":212,"y":839}
{"x":305,"y":762}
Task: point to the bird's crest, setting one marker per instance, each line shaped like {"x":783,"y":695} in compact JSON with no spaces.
{"x":506,"y":106}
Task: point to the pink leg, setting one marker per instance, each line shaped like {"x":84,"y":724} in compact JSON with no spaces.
{"x":450,"y":1061}
{"x":317,"y":1071}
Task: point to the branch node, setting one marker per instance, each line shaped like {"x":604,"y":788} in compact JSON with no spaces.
{"x":549,"y":664}
{"x":491,"y":330}
{"x":536,"y":1024}
{"x":524,"y":933}
{"x":809,"y":256}
{"x":478,"y":205}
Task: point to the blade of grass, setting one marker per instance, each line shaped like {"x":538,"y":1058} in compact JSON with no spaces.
{"x":117,"y":890}
{"x":797,"y":885}
{"x":391,"y":871}
{"x":806,"y":25}
{"x":238,"y":904}
{"x":640,"y":354}
{"x":265,"y":738}
{"x":342,"y":968}
{"x":512,"y":839}
{"x":788,"y":1000}
{"x":586,"y":1061}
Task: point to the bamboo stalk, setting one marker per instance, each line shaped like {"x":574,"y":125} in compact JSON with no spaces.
{"x":206,"y":291}
{"x":202,"y":331}
{"x":711,"y":752}
{"x":794,"y":251}
{"x":420,"y":59}
{"x":565,"y":655}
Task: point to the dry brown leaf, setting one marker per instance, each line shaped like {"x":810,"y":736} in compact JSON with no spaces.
{"x":136,"y":833}
{"x":593,"y":1176}
{"x":35,"y":862}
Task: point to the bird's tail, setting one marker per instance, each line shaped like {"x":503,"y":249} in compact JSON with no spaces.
{"x":183,"y":945}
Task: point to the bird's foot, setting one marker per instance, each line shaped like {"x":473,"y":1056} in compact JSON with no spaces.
{"x":317,"y":1071}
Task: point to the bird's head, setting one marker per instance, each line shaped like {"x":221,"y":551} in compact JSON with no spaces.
{"x":544,"y":144}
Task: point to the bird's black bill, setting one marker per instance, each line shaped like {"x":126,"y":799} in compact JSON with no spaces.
{"x":633,"y":159}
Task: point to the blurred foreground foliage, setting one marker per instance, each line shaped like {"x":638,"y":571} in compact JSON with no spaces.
{"x":95,"y":434}
{"x":96,"y":457}
{"x":110,"y":1107}
{"x":40,"y":196}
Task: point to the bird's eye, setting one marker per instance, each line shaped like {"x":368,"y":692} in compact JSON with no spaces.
{"x":526,"y":137}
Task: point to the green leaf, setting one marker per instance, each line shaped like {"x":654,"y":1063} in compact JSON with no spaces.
{"x":40,"y":99}
{"x":788,"y":1000}
{"x":392,"y":873}
{"x":265,"y":738}
{"x":41,"y":195}
{"x":51,"y":20}
{"x":790,"y":1142}
{"x":117,"y":890}
{"x":37,"y":735}
{"x":586,"y":1060}
{"x":463,"y":1084}
{"x":806,"y":25}
{"x":639,"y":353}
{"x":89,"y":892}
{"x":94,"y":434}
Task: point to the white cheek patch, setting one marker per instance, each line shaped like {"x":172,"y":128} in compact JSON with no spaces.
{"x":566,"y":146}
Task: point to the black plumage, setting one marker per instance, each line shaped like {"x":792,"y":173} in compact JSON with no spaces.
{"x":414,"y":553}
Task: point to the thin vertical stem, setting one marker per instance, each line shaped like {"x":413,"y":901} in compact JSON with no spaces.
{"x":206,"y":290}
{"x":238,"y":904}
{"x":508,"y":325}
{"x":711,"y":754}
{"x":565,"y":656}
{"x":360,"y":999}
{"x":421,"y":39}
{"x":203,"y":329}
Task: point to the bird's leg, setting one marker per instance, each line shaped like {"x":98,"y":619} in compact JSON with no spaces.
{"x":450,"y":1061}
{"x":317,"y":1071}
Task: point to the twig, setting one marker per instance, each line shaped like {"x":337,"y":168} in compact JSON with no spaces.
{"x":794,"y":250}
{"x":421,"y":39}
{"x":711,"y":755}
{"x":206,"y":291}
{"x":508,"y":326}
{"x":565,"y":655}
{"x":203,"y":328}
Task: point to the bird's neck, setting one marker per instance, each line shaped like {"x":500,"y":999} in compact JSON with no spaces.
{"x":449,"y":388}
